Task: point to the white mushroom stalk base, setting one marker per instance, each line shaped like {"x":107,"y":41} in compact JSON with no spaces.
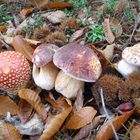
{"x":45,"y":76}
{"x":125,"y":69}
{"x":68,"y":86}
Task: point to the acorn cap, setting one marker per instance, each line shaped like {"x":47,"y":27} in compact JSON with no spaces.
{"x":15,"y":71}
{"x":132,"y":55}
{"x":43,"y":54}
{"x":79,"y":62}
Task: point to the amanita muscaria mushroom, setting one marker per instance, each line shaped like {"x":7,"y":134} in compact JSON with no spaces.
{"x":78,"y":64}
{"x":130,"y":60}
{"x":44,"y":71}
{"x":15,"y":71}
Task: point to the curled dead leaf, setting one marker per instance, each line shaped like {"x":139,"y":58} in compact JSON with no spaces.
{"x":106,"y":131}
{"x":76,"y":35}
{"x":54,"y":124}
{"x":81,"y":118}
{"x":23,"y":47}
{"x":25,"y":111}
{"x":108,"y":33}
{"x":7,"y":105}
{"x":9,"y":132}
{"x":33,"y":98}
{"x":27,"y":11}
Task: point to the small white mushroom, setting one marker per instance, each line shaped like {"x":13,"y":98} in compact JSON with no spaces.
{"x":130,"y":60}
{"x":44,"y":71}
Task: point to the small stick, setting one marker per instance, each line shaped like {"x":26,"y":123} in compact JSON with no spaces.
{"x":106,"y":113}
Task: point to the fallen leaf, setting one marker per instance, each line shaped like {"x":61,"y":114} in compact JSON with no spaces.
{"x":108,"y":33}
{"x":46,"y":4}
{"x":116,"y":26}
{"x":23,"y":47}
{"x":81,"y":118}
{"x":54,"y":123}
{"x":108,"y":51}
{"x":135,"y":133}
{"x":7,"y":105}
{"x":78,"y":104}
{"x":76,"y":35}
{"x":9,"y":40}
{"x":106,"y":132}
{"x":27,"y":11}
{"x":86,"y":130}
{"x":33,"y":98}
{"x":25,"y":111}
{"x":121,"y":5}
{"x":3,"y":27}
{"x":55,"y":5}
{"x":9,"y":132}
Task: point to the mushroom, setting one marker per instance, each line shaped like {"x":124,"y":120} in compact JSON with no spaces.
{"x":15,"y":71}
{"x":78,"y":64}
{"x":44,"y":71}
{"x":130,"y":60}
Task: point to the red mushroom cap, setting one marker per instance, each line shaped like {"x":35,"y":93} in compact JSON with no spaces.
{"x":79,"y":62}
{"x":14,"y":71}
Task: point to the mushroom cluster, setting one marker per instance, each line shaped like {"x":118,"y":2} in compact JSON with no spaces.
{"x":15,"y":71}
{"x":77,"y":64}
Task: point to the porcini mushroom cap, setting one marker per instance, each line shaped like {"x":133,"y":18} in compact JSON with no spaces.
{"x":43,"y":54}
{"x":132,"y":55}
{"x":14,"y":71}
{"x":78,"y":62}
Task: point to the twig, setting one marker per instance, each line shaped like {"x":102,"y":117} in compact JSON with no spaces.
{"x":109,"y":120}
{"x":137,"y":21}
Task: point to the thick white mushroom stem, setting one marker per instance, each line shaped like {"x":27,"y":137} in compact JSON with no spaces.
{"x":125,"y":68}
{"x":68,"y":86}
{"x":45,"y":76}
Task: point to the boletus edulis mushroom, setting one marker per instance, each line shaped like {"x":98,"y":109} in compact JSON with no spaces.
{"x":78,"y":64}
{"x":15,"y":71}
{"x":44,"y":71}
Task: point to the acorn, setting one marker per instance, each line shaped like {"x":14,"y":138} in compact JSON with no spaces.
{"x":114,"y":90}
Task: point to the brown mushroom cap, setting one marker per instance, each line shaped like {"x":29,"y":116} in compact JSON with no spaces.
{"x":15,"y":71}
{"x":43,"y":54}
{"x":78,"y":62}
{"x":132,"y":55}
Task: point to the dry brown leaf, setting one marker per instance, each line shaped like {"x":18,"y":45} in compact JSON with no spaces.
{"x":3,"y":27}
{"x":54,"y":124}
{"x":9,"y":132}
{"x":81,"y":118}
{"x":27,"y":11}
{"x":76,"y":35}
{"x":106,"y":132}
{"x":7,"y":105}
{"x":116,"y":26}
{"x":121,"y":5}
{"x":135,"y":133}
{"x":108,"y":33}
{"x":23,"y":47}
{"x":33,"y":98}
{"x":25,"y":111}
{"x":86,"y":130}
{"x":45,"y":4}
